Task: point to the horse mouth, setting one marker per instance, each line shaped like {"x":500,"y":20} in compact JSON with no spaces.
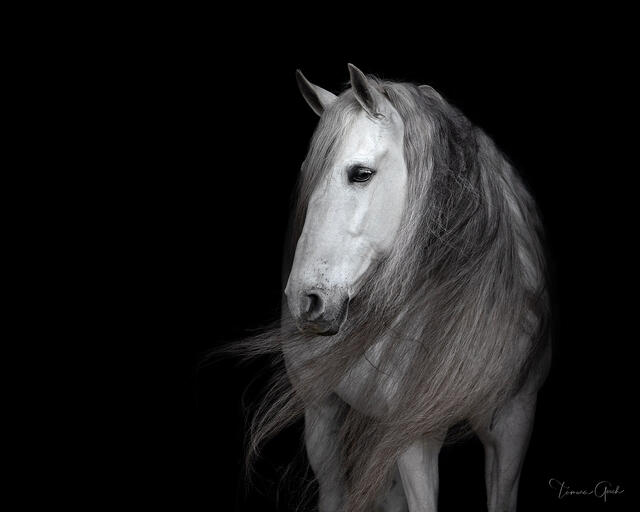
{"x":319,"y":330}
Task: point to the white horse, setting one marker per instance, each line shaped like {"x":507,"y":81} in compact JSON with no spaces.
{"x":416,"y":298}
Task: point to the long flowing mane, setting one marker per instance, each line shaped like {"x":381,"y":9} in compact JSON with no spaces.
{"x":452,"y":320}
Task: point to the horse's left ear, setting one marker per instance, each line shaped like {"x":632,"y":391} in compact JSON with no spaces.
{"x":364,"y":93}
{"x":318,"y":98}
{"x":430,"y":91}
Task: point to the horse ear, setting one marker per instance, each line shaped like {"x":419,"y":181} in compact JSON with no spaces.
{"x":429,"y":91}
{"x":363,"y":91}
{"x":318,"y":98}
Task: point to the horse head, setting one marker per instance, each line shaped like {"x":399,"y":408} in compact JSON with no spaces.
{"x":355,"y":210}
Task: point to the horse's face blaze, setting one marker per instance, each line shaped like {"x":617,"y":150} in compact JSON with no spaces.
{"x":353,"y":218}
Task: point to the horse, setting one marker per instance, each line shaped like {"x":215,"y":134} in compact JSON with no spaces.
{"x":416,"y":304}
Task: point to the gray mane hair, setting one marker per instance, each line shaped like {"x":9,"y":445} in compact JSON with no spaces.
{"x":461,"y":299}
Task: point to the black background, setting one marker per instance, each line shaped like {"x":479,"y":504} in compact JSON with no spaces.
{"x":214,"y":134}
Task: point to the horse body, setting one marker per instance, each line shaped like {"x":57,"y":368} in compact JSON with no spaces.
{"x":416,"y":298}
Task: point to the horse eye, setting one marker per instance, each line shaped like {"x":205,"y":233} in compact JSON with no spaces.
{"x":360,"y":174}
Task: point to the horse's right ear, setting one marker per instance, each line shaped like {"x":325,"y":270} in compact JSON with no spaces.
{"x":318,"y":98}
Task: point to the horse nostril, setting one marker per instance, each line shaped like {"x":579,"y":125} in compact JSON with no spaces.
{"x":314,"y":306}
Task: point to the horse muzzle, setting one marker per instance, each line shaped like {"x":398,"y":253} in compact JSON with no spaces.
{"x":319,"y":311}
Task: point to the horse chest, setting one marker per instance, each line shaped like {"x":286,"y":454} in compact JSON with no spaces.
{"x":368,"y":388}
